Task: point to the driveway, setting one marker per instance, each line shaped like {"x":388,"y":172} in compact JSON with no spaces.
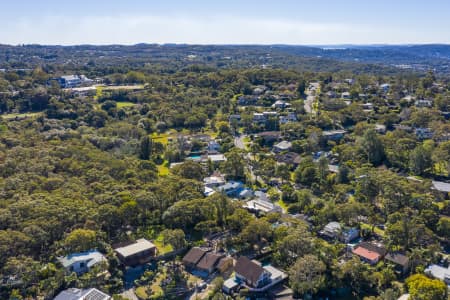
{"x":239,"y":141}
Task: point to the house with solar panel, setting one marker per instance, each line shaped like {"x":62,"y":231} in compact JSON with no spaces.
{"x":82,"y":294}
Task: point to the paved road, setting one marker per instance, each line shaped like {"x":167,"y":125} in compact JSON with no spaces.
{"x":308,"y":103}
{"x":310,"y":97}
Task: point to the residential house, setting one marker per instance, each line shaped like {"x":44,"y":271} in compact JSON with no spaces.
{"x":367,"y":106}
{"x":79,"y":294}
{"x":403,"y":127}
{"x":69,"y":81}
{"x":253,"y":276}
{"x":208,"y":262}
{"x":207,"y":191}
{"x":350,"y":81}
{"x":385,"y":87}
{"x":259,"y":118}
{"x":137,"y":253}
{"x":409,"y":98}
{"x":260,"y":205}
{"x":424,"y":133}
{"x":291,"y":117}
{"x":381,"y":129}
{"x":280,"y":104}
{"x":214,"y":158}
{"x":194,"y":255}
{"x":331,"y":231}
{"x":215,"y":180}
{"x":282,"y":147}
{"x":290,"y":158}
{"x":247,"y":100}
{"x":439,"y":272}
{"x":423,"y":103}
{"x":269,"y":136}
{"x":349,"y":234}
{"x":442,"y":138}
{"x":441,"y":187}
{"x":346,"y":96}
{"x":333,"y":135}
{"x":82,"y":262}
{"x":72,"y":81}
{"x":231,"y":188}
{"x":251,"y":273}
{"x":259,"y":90}
{"x":230,"y":285}
{"x":399,"y":260}
{"x":269,"y":114}
{"x":213,"y":147}
{"x":331,"y":94}
{"x":369,"y":252}
{"x":225,"y":264}
{"x":333,"y":168}
{"x":245,"y":194}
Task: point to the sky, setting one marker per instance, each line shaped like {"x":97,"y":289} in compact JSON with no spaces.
{"x":297,"y":22}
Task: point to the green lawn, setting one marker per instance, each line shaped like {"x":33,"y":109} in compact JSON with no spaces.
{"x":24,"y":115}
{"x":125,"y":104}
{"x":162,"y":249}
{"x":163,"y":170}
{"x":141,"y":292}
{"x":282,"y":204}
{"x":377,"y":230}
{"x":98,"y":92}
{"x":162,"y":138}
{"x":123,"y":87}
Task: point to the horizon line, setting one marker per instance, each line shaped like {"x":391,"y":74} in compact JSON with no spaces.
{"x":229,"y":44}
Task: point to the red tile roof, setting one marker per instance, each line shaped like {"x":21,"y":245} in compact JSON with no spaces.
{"x":367,"y":254}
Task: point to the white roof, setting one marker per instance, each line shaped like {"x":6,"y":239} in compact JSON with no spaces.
{"x":92,"y":258}
{"x":438,"y":272}
{"x":262,"y":205}
{"x":230,"y":283}
{"x":332,"y":226}
{"x":137,"y":247}
{"x":217,"y":157}
{"x":284,"y":145}
{"x":214,"y":180}
{"x":441,"y":186}
{"x":274,"y":272}
{"x":208,"y":191}
{"x":70,"y":77}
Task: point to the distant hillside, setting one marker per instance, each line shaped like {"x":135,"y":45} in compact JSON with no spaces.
{"x":416,"y":57}
{"x":353,"y":58}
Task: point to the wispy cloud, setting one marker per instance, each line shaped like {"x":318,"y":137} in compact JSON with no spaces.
{"x":215,"y":29}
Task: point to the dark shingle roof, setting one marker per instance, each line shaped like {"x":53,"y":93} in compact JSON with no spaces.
{"x":248,"y":269}
{"x":194,"y":255}
{"x":208,"y":261}
{"x":397,"y":258}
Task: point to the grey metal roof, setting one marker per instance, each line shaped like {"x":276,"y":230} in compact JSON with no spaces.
{"x":441,"y":186}
{"x":91,"y":257}
{"x":137,"y":247}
